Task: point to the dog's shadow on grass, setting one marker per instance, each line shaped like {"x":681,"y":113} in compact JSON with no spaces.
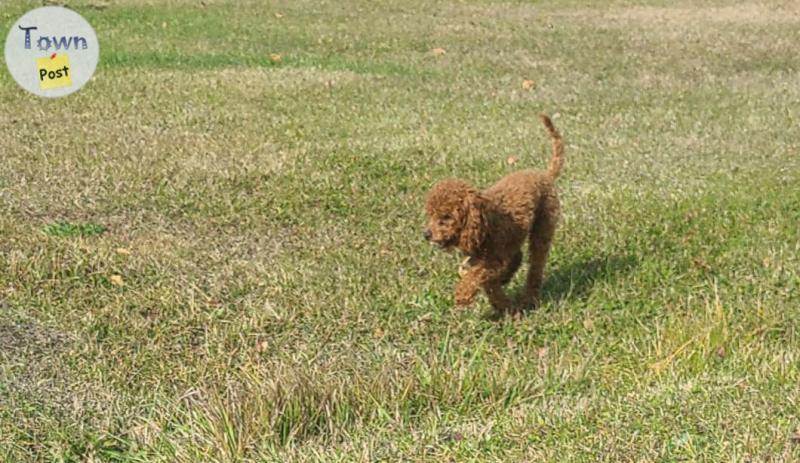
{"x":574,"y":279}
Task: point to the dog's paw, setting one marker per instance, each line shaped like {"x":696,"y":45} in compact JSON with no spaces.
{"x":464,"y":297}
{"x":464,"y":300}
{"x":529,"y":305}
{"x":512,"y":313}
{"x":465,"y":294}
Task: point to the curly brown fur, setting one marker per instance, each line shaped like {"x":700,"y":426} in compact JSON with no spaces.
{"x":490,"y":227}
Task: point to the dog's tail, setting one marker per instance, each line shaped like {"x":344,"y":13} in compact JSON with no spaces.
{"x":558,"y":147}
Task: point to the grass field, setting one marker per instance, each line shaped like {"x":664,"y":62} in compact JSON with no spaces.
{"x":208,"y":255}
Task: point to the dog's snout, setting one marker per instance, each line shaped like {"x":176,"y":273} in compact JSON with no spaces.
{"x":427,"y":234}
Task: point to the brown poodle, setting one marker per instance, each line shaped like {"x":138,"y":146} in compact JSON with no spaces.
{"x":489,"y":227}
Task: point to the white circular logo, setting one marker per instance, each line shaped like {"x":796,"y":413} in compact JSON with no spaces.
{"x":51,"y":51}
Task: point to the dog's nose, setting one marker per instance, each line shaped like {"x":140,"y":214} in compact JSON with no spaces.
{"x":427,"y":234}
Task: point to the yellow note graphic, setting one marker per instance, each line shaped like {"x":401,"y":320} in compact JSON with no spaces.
{"x":54,"y":71}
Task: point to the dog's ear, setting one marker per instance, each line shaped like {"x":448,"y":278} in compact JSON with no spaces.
{"x":475,"y":223}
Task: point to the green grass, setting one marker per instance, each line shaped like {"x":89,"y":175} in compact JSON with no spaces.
{"x":66,"y":229}
{"x":206,"y":255}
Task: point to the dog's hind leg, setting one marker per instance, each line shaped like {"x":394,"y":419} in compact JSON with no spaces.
{"x":511,"y":268}
{"x":541,"y":237}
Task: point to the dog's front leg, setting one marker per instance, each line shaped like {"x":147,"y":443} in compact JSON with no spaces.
{"x":467,"y":288}
{"x":497,"y":297}
{"x":482,"y":274}
{"x":473,"y":277}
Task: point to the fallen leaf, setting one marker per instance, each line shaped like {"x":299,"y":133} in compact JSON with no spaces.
{"x":438,"y":51}
{"x":123,"y":251}
{"x":278,"y":15}
{"x":542,"y":352}
{"x":528,"y":84}
{"x":98,"y":5}
{"x":424,"y":318}
{"x":511,"y":344}
{"x":700,"y":264}
{"x":795,"y":438}
{"x":588,"y":324}
{"x":116,"y":280}
{"x":261,"y":346}
{"x":275,"y":57}
{"x":378,"y":333}
{"x":721,"y":351}
{"x":512,"y":160}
